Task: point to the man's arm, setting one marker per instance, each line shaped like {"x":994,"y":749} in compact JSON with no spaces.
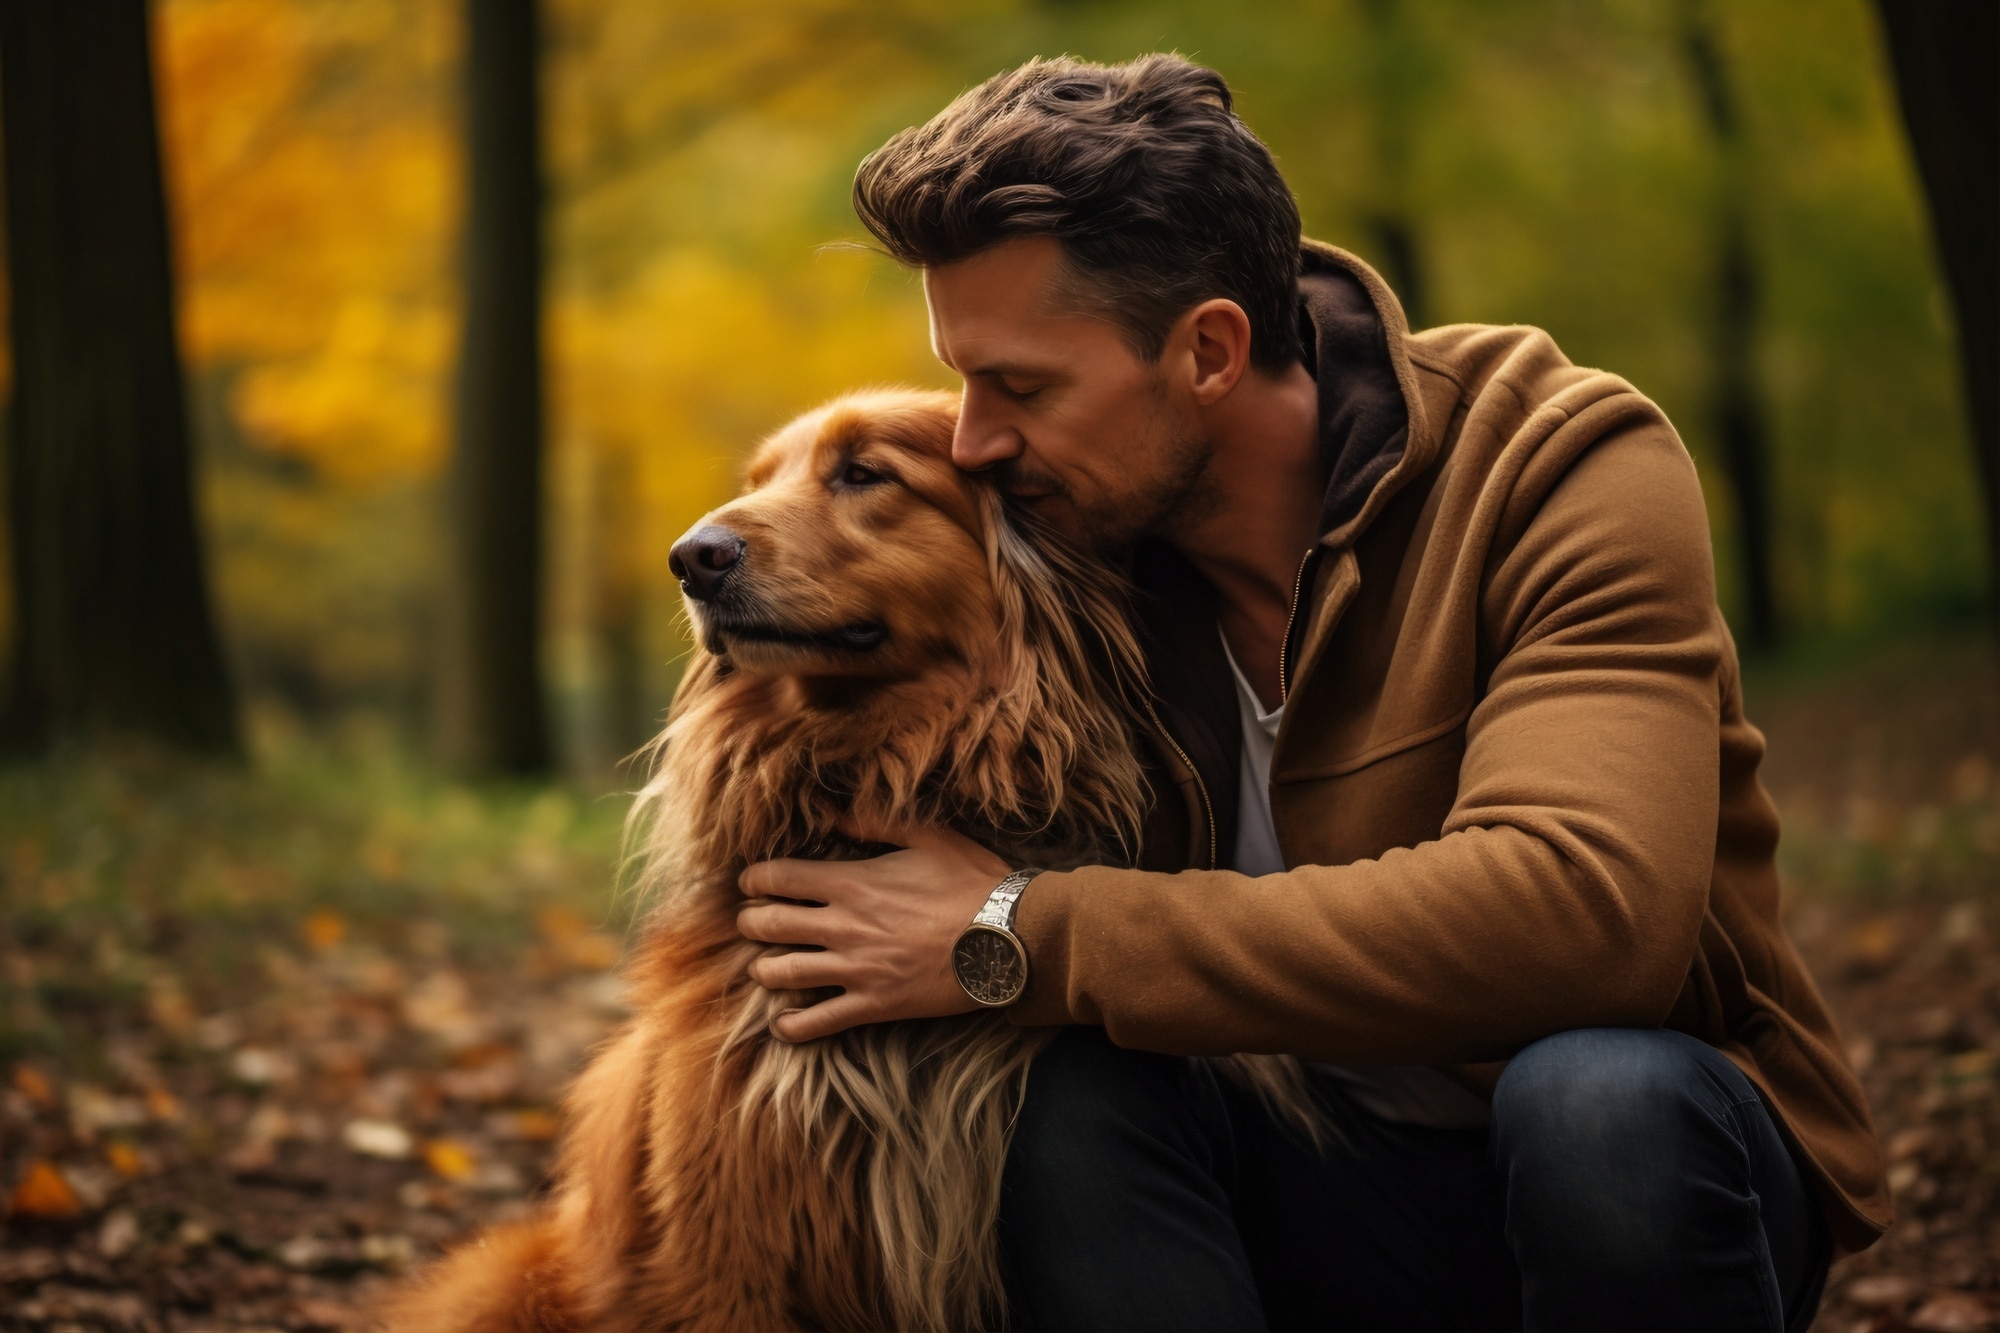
{"x":1566,"y":889}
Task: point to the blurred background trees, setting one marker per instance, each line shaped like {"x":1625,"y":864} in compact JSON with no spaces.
{"x":1735,"y":409}
{"x":1716,"y":201}
{"x":112,"y":629}
{"x":1944,"y":53}
{"x":489,"y":710}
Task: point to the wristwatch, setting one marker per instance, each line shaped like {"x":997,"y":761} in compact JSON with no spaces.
{"x":989,"y":960}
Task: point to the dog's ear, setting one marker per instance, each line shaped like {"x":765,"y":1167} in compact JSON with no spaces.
{"x":1067,"y":679}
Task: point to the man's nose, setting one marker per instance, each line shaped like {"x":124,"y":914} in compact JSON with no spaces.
{"x":704,"y":558}
{"x":977,"y":444}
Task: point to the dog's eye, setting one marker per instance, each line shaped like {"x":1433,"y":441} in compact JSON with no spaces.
{"x":857,"y":474}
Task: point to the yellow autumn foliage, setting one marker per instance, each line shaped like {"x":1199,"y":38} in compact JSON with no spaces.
{"x":698,"y":155}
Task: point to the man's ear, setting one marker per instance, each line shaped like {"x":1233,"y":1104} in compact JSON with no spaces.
{"x":1215,"y":336}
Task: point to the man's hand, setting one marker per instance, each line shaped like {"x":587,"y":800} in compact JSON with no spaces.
{"x":884,"y":933}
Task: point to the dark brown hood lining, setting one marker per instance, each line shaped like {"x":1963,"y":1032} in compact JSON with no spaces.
{"x":1364,"y":421}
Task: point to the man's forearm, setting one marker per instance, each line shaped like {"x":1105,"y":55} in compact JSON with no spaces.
{"x":1459,"y":950}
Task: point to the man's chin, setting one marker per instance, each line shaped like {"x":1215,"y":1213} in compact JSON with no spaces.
{"x":1105,"y":531}
{"x":1058,"y":513}
{"x":1052,"y":508}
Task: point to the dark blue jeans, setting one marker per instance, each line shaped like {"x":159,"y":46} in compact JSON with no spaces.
{"x":1630,"y":1180}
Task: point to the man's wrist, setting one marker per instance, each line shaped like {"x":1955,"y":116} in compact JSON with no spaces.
{"x":989,"y":959}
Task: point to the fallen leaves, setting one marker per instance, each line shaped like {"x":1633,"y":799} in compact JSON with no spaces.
{"x":33,"y":1084}
{"x":44,"y":1192}
{"x":529,"y":1126}
{"x":1872,"y":944}
{"x":323,"y":930}
{"x":256,"y":1152}
{"x":378,"y":1138}
{"x":125,"y":1159}
{"x":1952,"y":1312}
{"x":119,"y":1233}
{"x":1925,"y":1013}
{"x":450,"y":1159}
{"x":258,"y":1067}
{"x":1893,"y":1292}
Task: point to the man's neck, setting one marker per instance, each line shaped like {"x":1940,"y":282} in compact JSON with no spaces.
{"x":1263,"y":490}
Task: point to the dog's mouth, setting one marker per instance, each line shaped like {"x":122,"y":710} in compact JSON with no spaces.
{"x":859,"y":636}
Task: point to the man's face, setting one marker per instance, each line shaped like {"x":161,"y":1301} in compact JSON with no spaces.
{"x":1098,"y":442}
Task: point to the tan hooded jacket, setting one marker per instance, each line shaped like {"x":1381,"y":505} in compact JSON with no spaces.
{"x":1514,"y":781}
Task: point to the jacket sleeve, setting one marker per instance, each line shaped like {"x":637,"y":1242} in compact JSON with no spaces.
{"x":1568,"y":882}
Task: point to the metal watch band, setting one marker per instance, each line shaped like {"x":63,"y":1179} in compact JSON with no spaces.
{"x":999,"y":908}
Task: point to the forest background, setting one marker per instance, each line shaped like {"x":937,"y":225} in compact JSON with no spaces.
{"x":276,"y":1024}
{"x":1542,"y":161}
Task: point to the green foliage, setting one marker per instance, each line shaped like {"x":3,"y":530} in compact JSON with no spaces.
{"x":114,"y":862}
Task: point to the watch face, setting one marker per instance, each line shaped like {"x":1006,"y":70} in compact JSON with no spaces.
{"x":991,"y":965}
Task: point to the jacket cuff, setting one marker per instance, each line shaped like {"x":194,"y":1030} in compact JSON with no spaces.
{"x":1042,"y":921}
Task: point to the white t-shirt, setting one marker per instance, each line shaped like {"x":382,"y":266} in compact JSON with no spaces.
{"x":1413,"y":1094}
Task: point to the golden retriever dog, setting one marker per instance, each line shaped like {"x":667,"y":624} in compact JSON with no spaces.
{"x":881,"y":645}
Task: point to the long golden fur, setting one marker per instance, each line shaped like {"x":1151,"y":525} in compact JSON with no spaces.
{"x":712,"y":1175}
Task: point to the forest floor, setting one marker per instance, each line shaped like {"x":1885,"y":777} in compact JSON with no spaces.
{"x":269,"y":1037}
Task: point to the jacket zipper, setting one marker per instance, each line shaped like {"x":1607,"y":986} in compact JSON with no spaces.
{"x":1285,"y":647}
{"x":1201,"y":788}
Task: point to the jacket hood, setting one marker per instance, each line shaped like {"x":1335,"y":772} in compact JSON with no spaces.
{"x":1373,"y":433}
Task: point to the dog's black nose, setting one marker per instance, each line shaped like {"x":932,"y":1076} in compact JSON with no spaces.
{"x":702,"y":560}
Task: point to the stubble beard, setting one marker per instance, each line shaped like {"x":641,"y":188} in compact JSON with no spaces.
{"x":1173,"y":500}
{"x":1177,"y":494}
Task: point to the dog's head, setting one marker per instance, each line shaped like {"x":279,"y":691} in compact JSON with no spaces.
{"x":855,"y":553}
{"x":901,"y":596}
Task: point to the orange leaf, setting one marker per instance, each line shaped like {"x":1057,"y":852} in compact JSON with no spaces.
{"x":33,"y":1084}
{"x":44,"y":1193}
{"x":1873,"y":943}
{"x":537,"y":1126}
{"x":162,"y":1105}
{"x":124,"y":1159}
{"x":450,"y":1159}
{"x":324,"y":930}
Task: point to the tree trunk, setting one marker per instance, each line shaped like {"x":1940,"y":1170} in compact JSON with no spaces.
{"x":1946,"y":56}
{"x":1736,"y":409}
{"x":113,"y":628}
{"x":491,"y":713}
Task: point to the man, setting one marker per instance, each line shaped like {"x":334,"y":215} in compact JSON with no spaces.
{"x":1457,"y":801}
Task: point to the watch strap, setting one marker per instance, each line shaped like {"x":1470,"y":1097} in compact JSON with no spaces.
{"x":999,"y":909}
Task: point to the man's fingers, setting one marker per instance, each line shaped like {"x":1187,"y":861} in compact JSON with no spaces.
{"x":783,"y":923}
{"x":823,"y":1019}
{"x":805,"y":970}
{"x":807,"y":881}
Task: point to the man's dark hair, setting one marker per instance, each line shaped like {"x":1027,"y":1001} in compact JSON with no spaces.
{"x":1160,"y":196}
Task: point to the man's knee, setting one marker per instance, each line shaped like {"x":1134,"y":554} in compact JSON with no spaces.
{"x":1611,"y":1130}
{"x":1596,"y":1088}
